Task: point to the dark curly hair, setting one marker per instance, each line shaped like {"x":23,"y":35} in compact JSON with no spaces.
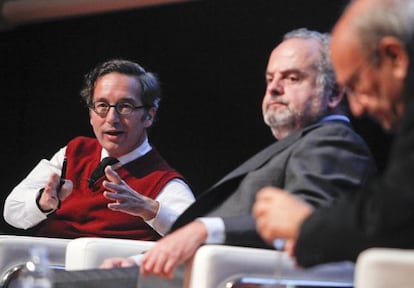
{"x":151,"y":91}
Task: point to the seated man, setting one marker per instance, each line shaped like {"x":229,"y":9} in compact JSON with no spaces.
{"x":141,"y":195}
{"x":372,"y":49}
{"x":317,"y":157}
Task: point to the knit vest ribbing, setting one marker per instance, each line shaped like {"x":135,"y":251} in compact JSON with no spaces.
{"x":85,"y":214}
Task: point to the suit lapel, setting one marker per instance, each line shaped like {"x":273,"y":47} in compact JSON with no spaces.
{"x":219,"y":192}
{"x":260,"y":159}
{"x":206,"y":202}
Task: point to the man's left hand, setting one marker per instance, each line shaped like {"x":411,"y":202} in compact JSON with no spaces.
{"x":174,"y":249}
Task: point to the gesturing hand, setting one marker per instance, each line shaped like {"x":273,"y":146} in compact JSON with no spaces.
{"x":50,"y":198}
{"x":126,"y":199}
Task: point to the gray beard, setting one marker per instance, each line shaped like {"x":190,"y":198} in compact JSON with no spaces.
{"x":281,"y":120}
{"x":282,"y":124}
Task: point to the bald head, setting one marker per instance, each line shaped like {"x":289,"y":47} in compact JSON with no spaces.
{"x":370,"y":55}
{"x":356,"y":33}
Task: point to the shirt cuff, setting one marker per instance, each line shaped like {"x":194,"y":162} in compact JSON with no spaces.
{"x":164,"y":219}
{"x":137,"y":258}
{"x":36,"y":214}
{"x":215,"y":229}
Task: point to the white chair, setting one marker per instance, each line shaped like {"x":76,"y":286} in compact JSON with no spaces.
{"x":213,"y":265}
{"x":374,"y":268}
{"x":224,"y":266}
{"x":384,"y":268}
{"x":15,"y":252}
{"x":88,"y":253}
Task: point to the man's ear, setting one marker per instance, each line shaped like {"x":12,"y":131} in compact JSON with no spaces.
{"x":393,"y":52}
{"x":149,"y":118}
{"x":336,"y":97}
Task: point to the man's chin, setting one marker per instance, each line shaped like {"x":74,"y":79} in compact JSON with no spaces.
{"x":111,"y":146}
{"x":388,"y":125}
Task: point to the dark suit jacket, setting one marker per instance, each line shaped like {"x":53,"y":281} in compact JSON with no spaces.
{"x":317,"y":163}
{"x":382,"y":215}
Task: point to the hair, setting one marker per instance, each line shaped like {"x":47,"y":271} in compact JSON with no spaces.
{"x":387,"y":18}
{"x":325,"y":71}
{"x":151,"y":91}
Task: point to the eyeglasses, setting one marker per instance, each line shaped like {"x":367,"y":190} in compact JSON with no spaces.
{"x":354,"y":80}
{"x":123,"y":108}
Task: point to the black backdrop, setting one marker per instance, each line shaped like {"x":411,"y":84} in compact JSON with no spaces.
{"x":209,"y":55}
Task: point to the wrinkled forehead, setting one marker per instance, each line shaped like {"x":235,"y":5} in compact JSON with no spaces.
{"x":346,"y":53}
{"x":295,"y":53}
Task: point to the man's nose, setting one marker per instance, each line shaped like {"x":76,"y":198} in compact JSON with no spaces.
{"x":112,"y":115}
{"x":357,"y":104}
{"x":275,"y":87}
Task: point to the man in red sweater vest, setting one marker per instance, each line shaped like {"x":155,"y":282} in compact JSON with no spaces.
{"x":135,"y":195}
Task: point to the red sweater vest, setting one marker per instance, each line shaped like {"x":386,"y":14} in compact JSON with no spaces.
{"x":85,"y":214}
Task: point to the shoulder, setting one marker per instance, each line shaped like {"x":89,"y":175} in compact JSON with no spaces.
{"x":334,"y":130}
{"x":83,"y":140}
{"x":83,"y":143}
{"x":337,"y":135}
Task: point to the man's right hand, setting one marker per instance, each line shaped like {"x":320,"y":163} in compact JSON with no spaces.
{"x":50,"y":198}
{"x":279,"y":214}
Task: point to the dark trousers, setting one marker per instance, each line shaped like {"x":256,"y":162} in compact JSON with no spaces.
{"x":117,"y":277}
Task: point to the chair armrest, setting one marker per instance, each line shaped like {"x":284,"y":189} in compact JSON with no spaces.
{"x":384,"y":268}
{"x":88,"y":253}
{"x":214,"y":265}
{"x":15,"y":251}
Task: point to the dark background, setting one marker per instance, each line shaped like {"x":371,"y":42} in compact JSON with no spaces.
{"x":210,"y":57}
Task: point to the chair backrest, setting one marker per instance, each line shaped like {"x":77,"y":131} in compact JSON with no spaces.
{"x":88,"y":253}
{"x":385,"y":267}
{"x":218,"y":265}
